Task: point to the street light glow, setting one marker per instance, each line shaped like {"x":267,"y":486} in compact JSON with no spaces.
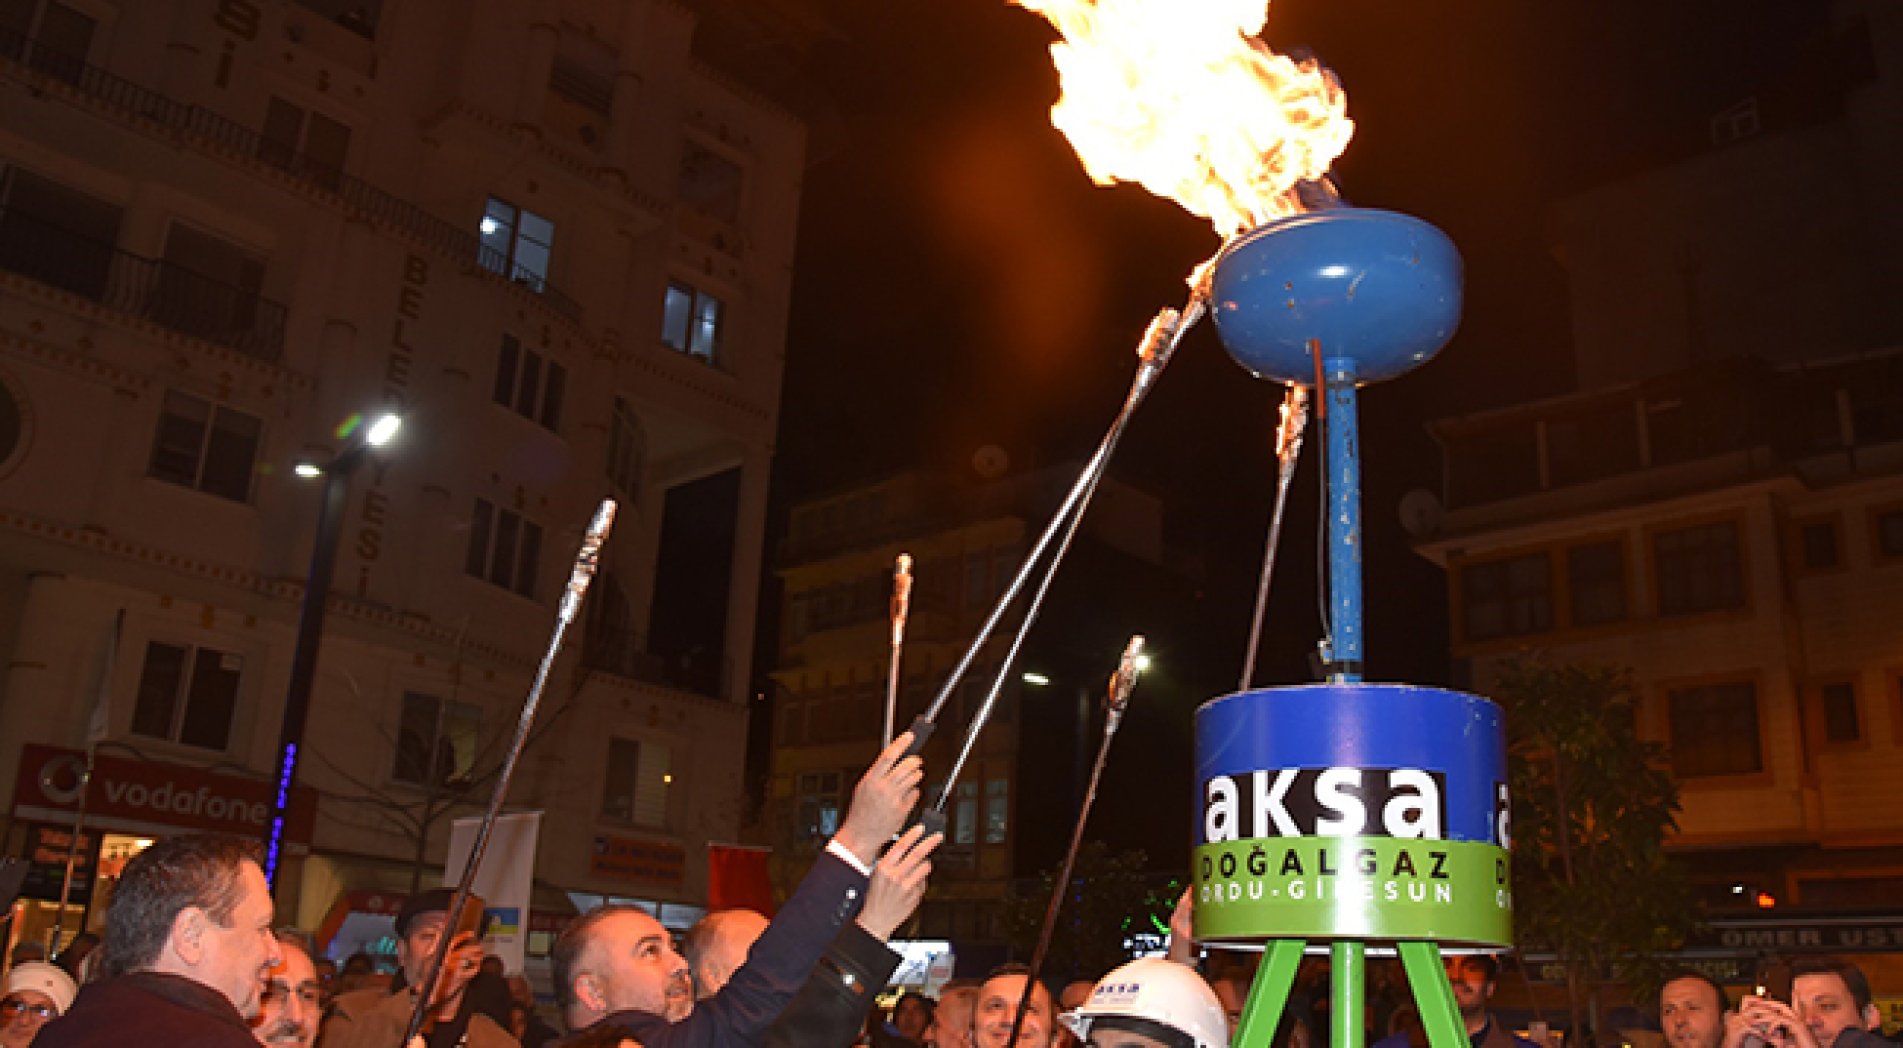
{"x":1143,"y":663}
{"x":308,"y":469}
{"x":383,"y":430}
{"x":1035,"y":679}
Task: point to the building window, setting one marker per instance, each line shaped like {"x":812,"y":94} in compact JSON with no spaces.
{"x":1889,"y":533}
{"x":997,"y":810}
{"x":1715,"y":730}
{"x":516,"y":243}
{"x":503,"y":548}
{"x":1699,"y":569}
{"x":635,"y":789}
{"x":51,"y":37}
{"x":57,"y":235}
{"x":691,"y":321}
{"x":304,"y":142}
{"x":627,"y":451}
{"x":210,"y":288}
{"x":187,"y":695}
{"x":436,"y":740}
{"x":581,"y":86}
{"x":1595,"y":583}
{"x":965,"y":814}
{"x":818,"y":805}
{"x":529,"y":384}
{"x":711,"y":182}
{"x":1506,"y":598}
{"x":1817,"y":545}
{"x":1837,"y":704}
{"x":205,"y":446}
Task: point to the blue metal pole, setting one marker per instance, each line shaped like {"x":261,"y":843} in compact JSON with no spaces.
{"x":1344,"y":520}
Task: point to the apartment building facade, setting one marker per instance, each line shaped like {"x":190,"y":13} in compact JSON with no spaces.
{"x":232,"y":231}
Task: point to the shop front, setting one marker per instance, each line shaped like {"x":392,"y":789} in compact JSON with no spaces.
{"x":130,"y":802}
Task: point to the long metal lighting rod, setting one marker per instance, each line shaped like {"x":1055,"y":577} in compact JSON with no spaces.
{"x":1122,"y":684}
{"x":586,"y":561}
{"x":1159,"y":344}
{"x":1288,"y":449}
{"x":901,"y":611}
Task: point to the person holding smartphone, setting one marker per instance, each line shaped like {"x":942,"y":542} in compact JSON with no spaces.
{"x":377,"y":1018}
{"x":1829,"y":1007}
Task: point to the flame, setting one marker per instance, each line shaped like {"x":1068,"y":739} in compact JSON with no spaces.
{"x":1180,"y":97}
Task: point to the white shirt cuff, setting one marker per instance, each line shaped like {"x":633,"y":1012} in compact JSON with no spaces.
{"x":846,"y":856}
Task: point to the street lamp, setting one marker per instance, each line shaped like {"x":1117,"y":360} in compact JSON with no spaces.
{"x":310,"y":621}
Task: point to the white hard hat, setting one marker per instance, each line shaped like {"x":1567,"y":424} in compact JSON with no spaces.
{"x":1160,"y":990}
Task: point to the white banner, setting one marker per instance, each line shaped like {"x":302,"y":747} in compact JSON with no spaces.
{"x":504,"y":881}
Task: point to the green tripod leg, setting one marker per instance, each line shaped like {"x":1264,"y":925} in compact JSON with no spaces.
{"x":1346,"y":1009}
{"x":1427,"y":976}
{"x":1269,"y":994}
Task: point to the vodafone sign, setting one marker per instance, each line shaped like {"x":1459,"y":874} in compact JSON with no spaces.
{"x":150,"y":797}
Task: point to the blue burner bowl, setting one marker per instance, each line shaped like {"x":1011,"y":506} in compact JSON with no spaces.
{"x":1378,"y":288}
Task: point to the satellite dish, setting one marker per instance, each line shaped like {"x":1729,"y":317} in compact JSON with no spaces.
{"x":990,"y":462}
{"x":1420,"y":513}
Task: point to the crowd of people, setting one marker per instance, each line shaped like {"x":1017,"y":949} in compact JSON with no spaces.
{"x":191,"y":957}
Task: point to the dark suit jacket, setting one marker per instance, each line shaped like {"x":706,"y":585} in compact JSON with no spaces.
{"x":831,"y":1008}
{"x":151,"y":1010}
{"x":738,"y":1016}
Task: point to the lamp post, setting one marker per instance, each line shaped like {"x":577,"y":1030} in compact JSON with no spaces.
{"x":310,"y":624}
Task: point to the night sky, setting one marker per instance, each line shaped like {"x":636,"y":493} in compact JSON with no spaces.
{"x":960,"y":282}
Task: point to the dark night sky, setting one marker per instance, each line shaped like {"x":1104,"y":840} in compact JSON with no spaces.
{"x":960,"y":282}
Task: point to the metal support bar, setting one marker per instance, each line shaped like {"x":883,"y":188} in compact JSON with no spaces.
{"x":1433,"y":995}
{"x":1347,"y":1007}
{"x":1344,"y":520}
{"x":1268,"y":996}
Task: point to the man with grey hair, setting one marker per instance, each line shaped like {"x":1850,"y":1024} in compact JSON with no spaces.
{"x":291,"y":1003}
{"x":188,"y":943}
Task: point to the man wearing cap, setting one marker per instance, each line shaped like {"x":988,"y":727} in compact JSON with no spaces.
{"x":36,"y":992}
{"x":1151,"y":1002}
{"x":188,"y":940}
{"x":376,"y":1018}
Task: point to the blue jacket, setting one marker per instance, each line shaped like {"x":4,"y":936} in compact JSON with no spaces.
{"x":785,"y":954}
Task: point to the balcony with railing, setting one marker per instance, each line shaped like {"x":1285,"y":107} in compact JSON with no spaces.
{"x":150,"y":289}
{"x":1735,"y":420}
{"x":624,"y":653}
{"x":208,"y":130}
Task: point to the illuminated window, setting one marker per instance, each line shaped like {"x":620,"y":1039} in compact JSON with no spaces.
{"x":817,"y":805}
{"x":997,"y":810}
{"x":637,"y":782}
{"x":516,"y":243}
{"x":187,"y":695}
{"x":692,"y":321}
{"x":965,"y":814}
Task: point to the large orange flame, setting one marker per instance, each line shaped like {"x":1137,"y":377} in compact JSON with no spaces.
{"x":1180,"y":97}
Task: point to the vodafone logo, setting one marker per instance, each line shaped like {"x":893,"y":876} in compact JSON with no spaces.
{"x":150,"y":795}
{"x":61,"y":778}
{"x":169,"y":798}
